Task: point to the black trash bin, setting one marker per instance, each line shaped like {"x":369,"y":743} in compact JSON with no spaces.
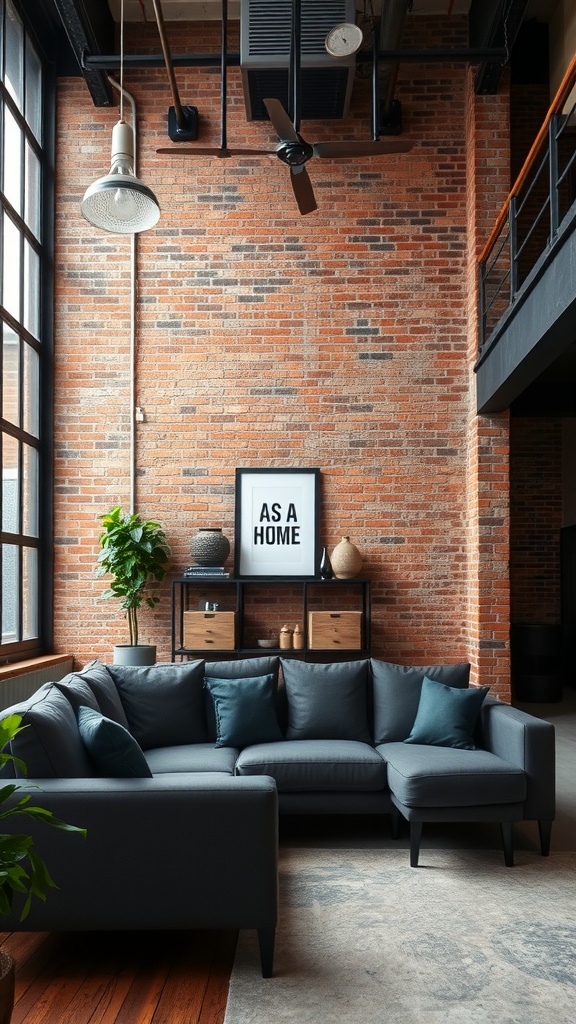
{"x":536,"y":658}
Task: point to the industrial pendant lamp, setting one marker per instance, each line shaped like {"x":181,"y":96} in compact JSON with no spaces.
{"x":120,"y":202}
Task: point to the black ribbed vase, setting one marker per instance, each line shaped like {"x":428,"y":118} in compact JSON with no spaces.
{"x":210,"y":546}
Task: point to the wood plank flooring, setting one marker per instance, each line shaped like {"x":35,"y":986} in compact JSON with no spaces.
{"x":121,"y":977}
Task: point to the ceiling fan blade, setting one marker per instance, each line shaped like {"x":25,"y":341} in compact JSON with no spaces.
{"x":303,"y":191}
{"x":281,"y":123}
{"x":361,"y":148}
{"x":218,"y":152}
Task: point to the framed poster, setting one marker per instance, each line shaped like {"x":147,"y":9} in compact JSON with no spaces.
{"x":277,"y":522}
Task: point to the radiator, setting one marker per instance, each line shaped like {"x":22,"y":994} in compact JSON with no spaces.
{"x":15,"y":688}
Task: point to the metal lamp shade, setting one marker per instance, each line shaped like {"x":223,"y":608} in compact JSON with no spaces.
{"x":120,"y":202}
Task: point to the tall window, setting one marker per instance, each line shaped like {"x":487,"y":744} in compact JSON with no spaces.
{"x":24,"y":337}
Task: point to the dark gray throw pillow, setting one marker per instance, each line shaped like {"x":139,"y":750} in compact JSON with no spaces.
{"x":326,"y":701}
{"x":447,"y":716}
{"x":104,"y":689}
{"x":113,"y":750}
{"x":245,"y":710}
{"x":164,"y":703}
{"x":396,"y":694}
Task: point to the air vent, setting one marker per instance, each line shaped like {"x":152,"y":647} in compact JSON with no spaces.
{"x":265,"y":32}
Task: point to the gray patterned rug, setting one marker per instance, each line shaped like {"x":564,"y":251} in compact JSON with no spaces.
{"x":365,"y":939}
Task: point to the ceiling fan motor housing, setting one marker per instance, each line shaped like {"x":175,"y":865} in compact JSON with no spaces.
{"x":265,"y":31}
{"x":295,"y":153}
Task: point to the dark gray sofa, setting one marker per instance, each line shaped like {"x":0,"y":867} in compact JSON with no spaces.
{"x":178,"y":772}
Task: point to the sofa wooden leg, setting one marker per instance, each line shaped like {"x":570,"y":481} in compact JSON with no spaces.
{"x":415,"y":837}
{"x":507,"y":844}
{"x":545,"y":830}
{"x":266,"y":939}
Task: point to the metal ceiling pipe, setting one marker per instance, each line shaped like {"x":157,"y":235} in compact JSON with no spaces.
{"x":392,"y":17}
{"x":185,"y":128}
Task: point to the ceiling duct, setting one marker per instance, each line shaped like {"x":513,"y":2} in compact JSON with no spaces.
{"x":265,"y":32}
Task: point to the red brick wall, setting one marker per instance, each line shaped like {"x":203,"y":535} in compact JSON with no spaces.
{"x":341,"y":340}
{"x":535,"y":519}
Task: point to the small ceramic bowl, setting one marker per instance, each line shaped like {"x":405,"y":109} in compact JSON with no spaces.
{"x":267,"y":643}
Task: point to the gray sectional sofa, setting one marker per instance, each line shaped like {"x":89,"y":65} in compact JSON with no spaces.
{"x":178,"y":772}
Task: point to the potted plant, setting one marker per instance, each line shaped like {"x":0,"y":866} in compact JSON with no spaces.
{"x":135,"y":554}
{"x":22,"y":870}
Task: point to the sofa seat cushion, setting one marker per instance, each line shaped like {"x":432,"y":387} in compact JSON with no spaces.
{"x":308,"y":765}
{"x":425,"y":776}
{"x":191,"y":757}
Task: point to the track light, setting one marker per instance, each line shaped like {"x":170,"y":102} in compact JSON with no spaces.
{"x":120,"y":202}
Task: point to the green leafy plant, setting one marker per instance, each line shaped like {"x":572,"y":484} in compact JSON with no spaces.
{"x":134,"y":553}
{"x":22,"y":870}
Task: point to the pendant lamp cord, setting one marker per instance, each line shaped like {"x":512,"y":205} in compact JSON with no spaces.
{"x":121,"y":60}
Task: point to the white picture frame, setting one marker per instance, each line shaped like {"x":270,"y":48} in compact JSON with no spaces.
{"x":277,"y":523}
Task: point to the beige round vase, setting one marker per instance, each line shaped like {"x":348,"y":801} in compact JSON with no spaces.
{"x":346,"y":560}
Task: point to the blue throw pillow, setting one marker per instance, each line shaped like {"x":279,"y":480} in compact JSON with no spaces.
{"x":113,"y":750}
{"x":446,"y":716}
{"x":396,"y":692}
{"x":245,"y":710}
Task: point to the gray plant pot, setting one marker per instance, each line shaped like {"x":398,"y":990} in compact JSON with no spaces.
{"x":134,"y":654}
{"x":7,"y":975}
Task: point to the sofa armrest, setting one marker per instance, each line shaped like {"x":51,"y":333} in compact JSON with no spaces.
{"x":174,"y":851}
{"x":529,"y":743}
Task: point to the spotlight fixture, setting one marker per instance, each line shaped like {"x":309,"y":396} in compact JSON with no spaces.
{"x":119,"y":202}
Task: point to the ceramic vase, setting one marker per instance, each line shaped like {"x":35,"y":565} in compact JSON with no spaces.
{"x":346,"y":560}
{"x":7,"y":975}
{"x":210,"y":546}
{"x":326,"y":571}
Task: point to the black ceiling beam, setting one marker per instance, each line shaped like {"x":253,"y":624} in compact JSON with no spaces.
{"x":90,"y":29}
{"x":111,"y":62}
{"x":494,"y":23}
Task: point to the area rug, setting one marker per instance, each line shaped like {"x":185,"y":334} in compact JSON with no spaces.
{"x":365,"y":939}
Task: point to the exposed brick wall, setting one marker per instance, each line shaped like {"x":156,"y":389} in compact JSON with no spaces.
{"x":535,"y":519}
{"x":488,"y":597}
{"x":341,"y":340}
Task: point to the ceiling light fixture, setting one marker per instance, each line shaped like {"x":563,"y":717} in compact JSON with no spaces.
{"x":119,"y":202}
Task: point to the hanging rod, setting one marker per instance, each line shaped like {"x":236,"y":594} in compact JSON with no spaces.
{"x":111,"y":62}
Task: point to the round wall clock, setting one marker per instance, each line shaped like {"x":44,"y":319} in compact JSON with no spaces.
{"x":343,"y":40}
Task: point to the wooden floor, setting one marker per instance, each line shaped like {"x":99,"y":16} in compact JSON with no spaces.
{"x":121,"y":978}
{"x":183,"y":977}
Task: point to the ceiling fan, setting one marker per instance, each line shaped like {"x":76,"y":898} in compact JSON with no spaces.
{"x":292,"y":149}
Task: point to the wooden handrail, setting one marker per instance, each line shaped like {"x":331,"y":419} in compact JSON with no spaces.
{"x":560,"y":98}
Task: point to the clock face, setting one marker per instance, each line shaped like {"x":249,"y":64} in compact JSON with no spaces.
{"x":343,"y":40}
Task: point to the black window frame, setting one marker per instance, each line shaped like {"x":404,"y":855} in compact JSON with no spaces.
{"x":42,"y":643}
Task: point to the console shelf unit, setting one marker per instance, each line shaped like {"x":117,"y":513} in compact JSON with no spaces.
{"x":311,"y":594}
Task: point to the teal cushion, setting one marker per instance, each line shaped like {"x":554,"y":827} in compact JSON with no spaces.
{"x":326,"y":701}
{"x":243,"y":668}
{"x":446,"y":716}
{"x":396,"y":694}
{"x":245,"y":710}
{"x":113,"y":750}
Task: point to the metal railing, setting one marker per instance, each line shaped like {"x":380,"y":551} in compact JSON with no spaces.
{"x":530,"y":221}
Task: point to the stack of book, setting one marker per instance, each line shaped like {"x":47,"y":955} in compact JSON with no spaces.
{"x":206,"y":570}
